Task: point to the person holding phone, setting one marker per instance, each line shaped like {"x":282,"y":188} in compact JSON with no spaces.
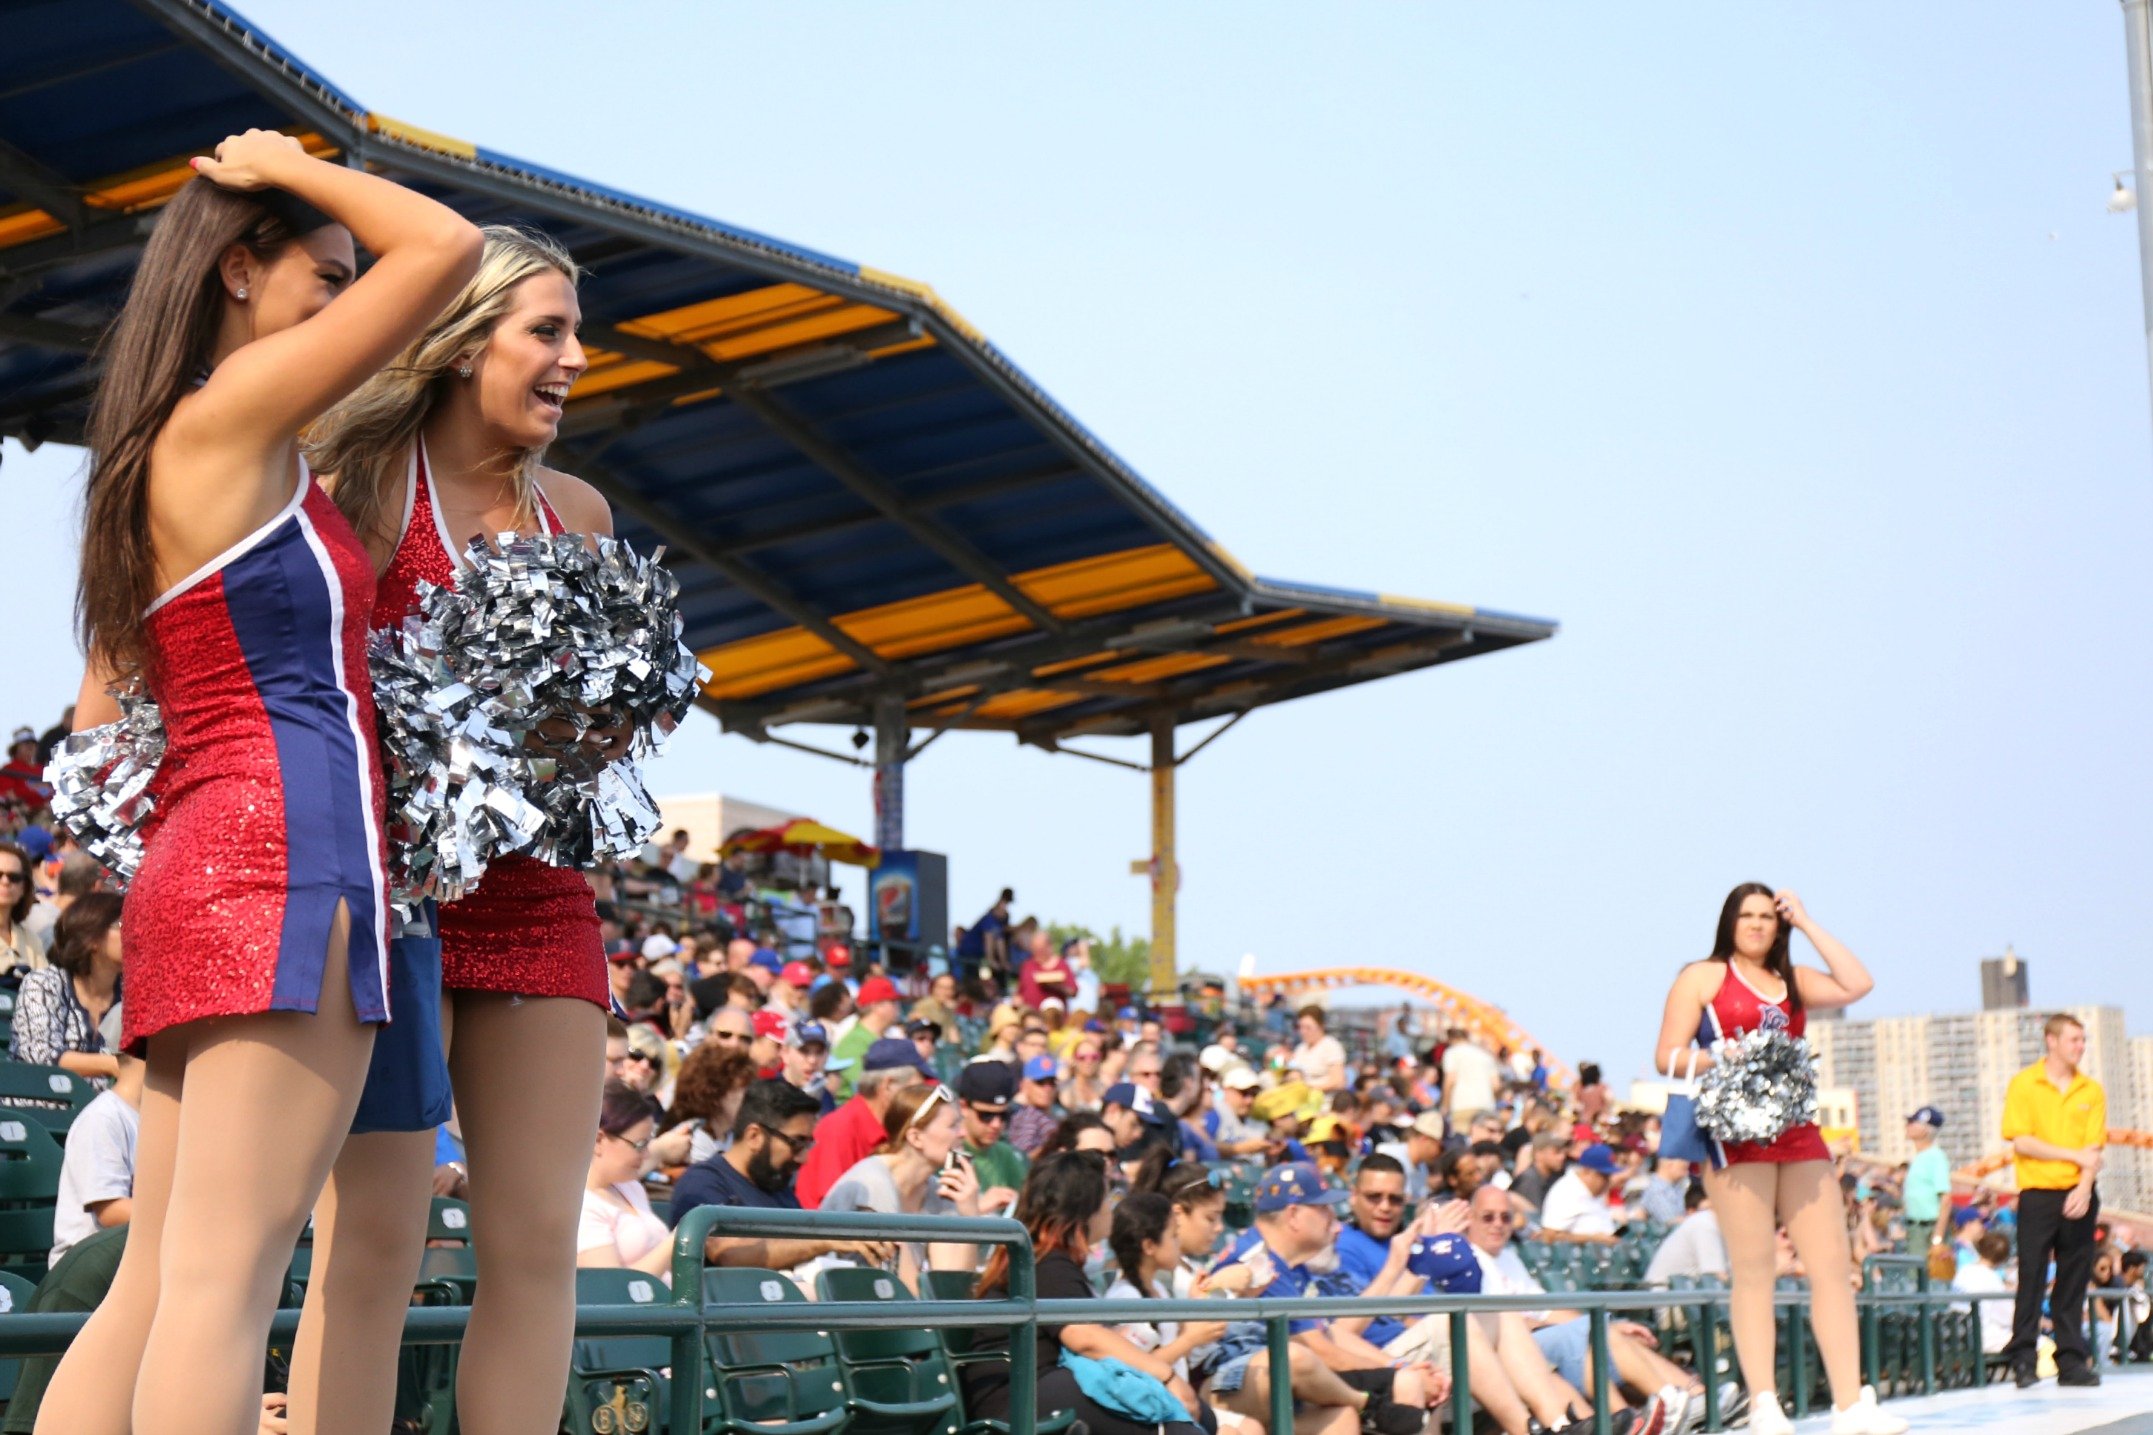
{"x":918,"y":1170}
{"x":1750,"y":983}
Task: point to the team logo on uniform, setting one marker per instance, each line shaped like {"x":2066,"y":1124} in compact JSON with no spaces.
{"x":1771,"y":1018}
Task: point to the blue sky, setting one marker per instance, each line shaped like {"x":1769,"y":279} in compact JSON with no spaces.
{"x":1784,"y":353}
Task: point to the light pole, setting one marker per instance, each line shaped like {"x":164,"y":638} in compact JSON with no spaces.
{"x":2138,"y":40}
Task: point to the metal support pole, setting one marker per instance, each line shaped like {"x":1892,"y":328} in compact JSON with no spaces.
{"x":2138,"y":45}
{"x":1461,"y":1374}
{"x":1603,"y":1419}
{"x":1707,"y":1345}
{"x":891,"y":736}
{"x":1928,"y":1347}
{"x":1279,"y":1341}
{"x":1165,"y":866}
{"x":1798,"y":1362}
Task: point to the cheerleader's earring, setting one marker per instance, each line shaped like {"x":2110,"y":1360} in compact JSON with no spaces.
{"x":463,"y":371}
{"x":241,"y":296}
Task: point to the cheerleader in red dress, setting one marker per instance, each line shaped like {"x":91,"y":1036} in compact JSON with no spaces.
{"x":1750,"y":983}
{"x":216,"y":572}
{"x":440,"y":448}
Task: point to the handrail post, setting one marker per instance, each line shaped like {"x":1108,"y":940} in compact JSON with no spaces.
{"x":1461,"y":1373}
{"x":1023,"y":1343}
{"x":1707,"y":1347}
{"x":1603,"y":1420}
{"x":1928,"y":1344}
{"x":1797,"y":1356}
{"x":1279,"y":1342}
{"x":689,"y":1241}
{"x":1872,"y":1342}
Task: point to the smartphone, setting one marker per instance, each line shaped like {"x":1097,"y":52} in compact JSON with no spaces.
{"x":955,"y":1159}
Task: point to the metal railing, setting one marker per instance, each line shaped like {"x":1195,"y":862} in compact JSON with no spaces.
{"x":687,"y":1319}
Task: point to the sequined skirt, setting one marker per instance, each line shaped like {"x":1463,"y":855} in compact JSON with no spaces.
{"x":529,"y":929}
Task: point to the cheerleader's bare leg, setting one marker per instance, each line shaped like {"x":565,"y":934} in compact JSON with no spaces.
{"x":91,"y":1391}
{"x":528,"y":1073}
{"x":369,"y":1240}
{"x":1746,"y":1196}
{"x":266,"y":1102}
{"x":1813,"y":1209}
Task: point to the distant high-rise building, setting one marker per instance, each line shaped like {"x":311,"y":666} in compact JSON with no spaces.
{"x":1961,"y":1063}
{"x":2003,"y":982}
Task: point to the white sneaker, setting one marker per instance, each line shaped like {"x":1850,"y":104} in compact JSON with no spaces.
{"x":1864,"y":1418}
{"x":1765,"y":1416}
{"x":1685,"y":1412}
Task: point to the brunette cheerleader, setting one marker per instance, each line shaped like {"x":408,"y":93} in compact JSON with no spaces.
{"x":1750,"y":983}
{"x":216,"y":571}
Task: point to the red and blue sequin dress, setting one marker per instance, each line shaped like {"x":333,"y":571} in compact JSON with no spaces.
{"x":270,"y":800}
{"x":1735,"y":1010}
{"x":528,"y":928}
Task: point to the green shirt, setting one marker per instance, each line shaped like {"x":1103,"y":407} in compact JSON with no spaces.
{"x":998,"y":1165}
{"x":1928,"y":1183}
{"x":852,"y":1047}
{"x":77,"y":1283}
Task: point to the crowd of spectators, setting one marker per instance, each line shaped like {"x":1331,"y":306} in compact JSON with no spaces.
{"x":761,"y":1063}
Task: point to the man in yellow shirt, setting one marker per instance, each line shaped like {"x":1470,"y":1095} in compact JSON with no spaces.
{"x":2056,"y":1119}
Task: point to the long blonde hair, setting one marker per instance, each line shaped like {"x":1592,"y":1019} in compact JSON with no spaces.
{"x":365,"y":440}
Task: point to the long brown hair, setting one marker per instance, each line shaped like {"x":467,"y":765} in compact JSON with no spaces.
{"x":79,"y":935}
{"x":1780,"y":960}
{"x":1059,"y":1199}
{"x":26,"y":895}
{"x":159,"y":343}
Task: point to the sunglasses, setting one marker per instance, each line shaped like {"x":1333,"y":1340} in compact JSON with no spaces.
{"x":643,"y":1056}
{"x":730,"y":1036}
{"x":12,"y":877}
{"x":1383,"y":1198}
{"x":1494,"y":1218}
{"x":940,"y":1093}
{"x":800,"y":1145}
{"x":989,"y":1115}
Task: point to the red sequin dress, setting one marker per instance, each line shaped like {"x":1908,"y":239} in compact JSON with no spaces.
{"x":1735,"y":1010}
{"x":270,"y":800}
{"x":527,"y":928}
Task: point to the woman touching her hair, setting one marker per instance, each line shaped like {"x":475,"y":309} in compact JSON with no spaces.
{"x":215,"y":571}
{"x":1750,"y":983}
{"x":442,"y":446}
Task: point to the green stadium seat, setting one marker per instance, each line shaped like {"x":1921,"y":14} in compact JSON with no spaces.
{"x":15,"y":1293}
{"x":46,"y":1094}
{"x":617,"y":1383}
{"x":775,"y":1382}
{"x":29,"y":1163}
{"x":449,"y":1220}
{"x":905,"y":1369}
{"x":957,"y":1341}
{"x":26,"y":1242}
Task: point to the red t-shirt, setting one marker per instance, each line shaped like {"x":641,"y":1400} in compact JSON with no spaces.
{"x":851,"y":1132}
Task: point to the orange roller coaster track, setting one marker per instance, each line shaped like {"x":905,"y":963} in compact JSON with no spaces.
{"x":1995,"y":1161}
{"x":1462,"y":1009}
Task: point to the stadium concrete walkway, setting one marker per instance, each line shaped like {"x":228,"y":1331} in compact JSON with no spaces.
{"x":2123,"y":1405}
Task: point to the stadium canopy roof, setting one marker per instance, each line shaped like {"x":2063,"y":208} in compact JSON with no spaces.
{"x":864,"y":498}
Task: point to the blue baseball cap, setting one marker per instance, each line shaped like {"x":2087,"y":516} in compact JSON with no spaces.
{"x":1930,"y":1117}
{"x":766,"y":959}
{"x":1447,"y":1262}
{"x":890,"y":1052}
{"x":1128,"y":1013}
{"x":1597,"y":1157}
{"x":1131,"y":1097}
{"x":1040,"y":1068}
{"x":1297,"y":1183}
{"x":35,"y":840}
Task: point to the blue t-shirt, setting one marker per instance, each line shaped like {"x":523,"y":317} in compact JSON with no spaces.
{"x":1360,"y":1261}
{"x":715,"y":1183}
{"x":1197,"y":1145}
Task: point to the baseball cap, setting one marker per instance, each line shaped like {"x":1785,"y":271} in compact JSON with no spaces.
{"x":623,"y":955}
{"x":767,"y":960}
{"x":986,"y":1083}
{"x":1597,"y":1157}
{"x":1430,"y":1124}
{"x":839,"y":955}
{"x":1241,"y":1079}
{"x":1324,"y":1128}
{"x":890,"y":1052}
{"x":1215,"y":1059}
{"x":794,"y":974}
{"x":1297,"y":1183}
{"x":1128,"y":1013}
{"x":807,"y":1033}
{"x":1055,"y":1002}
{"x":36,"y":841}
{"x":1446,"y":1261}
{"x":923,"y":1026}
{"x":1963,"y":1214}
{"x":1095,"y":1026}
{"x":877,"y":989}
{"x":1039,"y":1068}
{"x":771,"y":1023}
{"x":1930,"y":1117}
{"x":1131,"y":1097}
{"x":658,"y":944}
{"x":22,"y":735}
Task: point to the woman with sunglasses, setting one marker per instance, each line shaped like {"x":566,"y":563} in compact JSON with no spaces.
{"x":618,"y":1227}
{"x":21,"y":949}
{"x":1084,"y":1088}
{"x":918,"y":1171}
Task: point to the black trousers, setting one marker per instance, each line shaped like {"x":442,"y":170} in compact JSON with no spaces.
{"x":2043,"y":1232}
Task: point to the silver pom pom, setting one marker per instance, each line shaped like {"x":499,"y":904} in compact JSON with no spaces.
{"x":101,"y":780}
{"x":1761,"y":1085}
